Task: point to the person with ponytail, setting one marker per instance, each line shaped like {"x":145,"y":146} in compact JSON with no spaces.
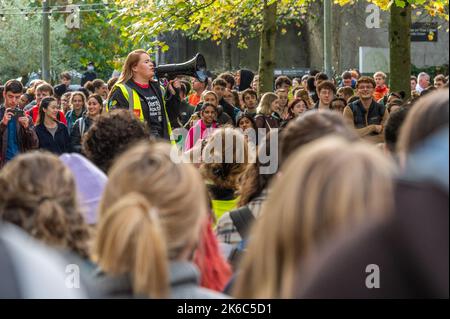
{"x":143,"y":246}
{"x":38,"y":194}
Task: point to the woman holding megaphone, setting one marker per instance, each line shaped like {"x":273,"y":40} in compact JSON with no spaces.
{"x":137,"y":91}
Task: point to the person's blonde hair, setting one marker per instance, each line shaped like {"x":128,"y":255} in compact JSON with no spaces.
{"x":38,"y":194}
{"x":326,"y":187}
{"x":130,"y":62}
{"x":224,"y":165}
{"x":265,"y":104}
{"x":150,"y":213}
{"x":205,"y":93}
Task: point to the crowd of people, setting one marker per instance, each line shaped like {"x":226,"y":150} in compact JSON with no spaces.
{"x":162,"y":188}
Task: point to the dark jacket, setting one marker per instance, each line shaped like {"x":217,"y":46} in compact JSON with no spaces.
{"x":171,"y":102}
{"x":374,"y":114}
{"x":26,"y":138}
{"x":59,"y":144}
{"x":186,"y":110}
{"x":80,"y":127}
{"x":268,"y":122}
{"x":232,"y":111}
{"x":246,"y":79}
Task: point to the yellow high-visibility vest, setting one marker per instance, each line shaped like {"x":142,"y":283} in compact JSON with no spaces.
{"x":134,"y":105}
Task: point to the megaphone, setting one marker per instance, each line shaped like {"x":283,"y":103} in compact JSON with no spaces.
{"x":195,"y":67}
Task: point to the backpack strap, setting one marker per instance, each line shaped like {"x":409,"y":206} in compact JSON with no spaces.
{"x":242,"y":219}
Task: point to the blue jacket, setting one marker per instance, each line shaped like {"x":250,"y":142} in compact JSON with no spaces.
{"x":59,"y":144}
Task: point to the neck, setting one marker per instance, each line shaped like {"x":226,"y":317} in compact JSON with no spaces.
{"x":323,"y":106}
{"x":49,"y":122}
{"x":366,"y":102}
{"x":139,"y":79}
{"x":78,"y":112}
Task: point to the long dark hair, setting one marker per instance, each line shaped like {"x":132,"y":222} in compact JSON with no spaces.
{"x":44,"y":105}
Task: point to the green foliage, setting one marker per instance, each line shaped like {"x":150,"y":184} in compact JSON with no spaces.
{"x":98,"y":41}
{"x":202,"y":19}
{"x":21,"y":44}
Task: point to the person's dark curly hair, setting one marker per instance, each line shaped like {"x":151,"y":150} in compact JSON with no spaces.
{"x":110,"y":135}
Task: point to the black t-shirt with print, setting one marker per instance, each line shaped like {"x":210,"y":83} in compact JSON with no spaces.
{"x":151,"y":103}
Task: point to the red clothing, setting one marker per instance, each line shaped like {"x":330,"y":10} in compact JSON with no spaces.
{"x":380,"y":92}
{"x":194,"y":99}
{"x":34,"y":113}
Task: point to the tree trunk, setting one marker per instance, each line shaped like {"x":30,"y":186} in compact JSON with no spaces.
{"x":315,"y":35}
{"x":226,"y":54}
{"x":336,"y":36}
{"x":400,"y":49}
{"x":267,"y":48}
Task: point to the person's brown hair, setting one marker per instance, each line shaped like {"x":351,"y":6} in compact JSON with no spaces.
{"x":38,"y":194}
{"x":326,"y":85}
{"x":320,"y":195}
{"x":150,"y":214}
{"x":45,"y":87}
{"x":427,"y":115}
{"x":366,"y":79}
{"x":220,"y":168}
{"x":311,"y":126}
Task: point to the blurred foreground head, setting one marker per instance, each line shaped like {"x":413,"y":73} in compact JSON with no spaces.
{"x":150,"y":214}
{"x":324,"y":188}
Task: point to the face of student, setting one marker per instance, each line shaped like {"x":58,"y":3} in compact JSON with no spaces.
{"x":245,"y":124}
{"x":438,"y":84}
{"x":23,"y":101}
{"x":325,"y":96}
{"x":413,"y":85}
{"x":77,"y":102}
{"x":365,"y":91}
{"x":144,"y":68}
{"x":209,"y":98}
{"x":65,"y":102}
{"x":228,"y":97}
{"x":219,"y":90}
{"x":197,"y":85}
{"x":93,"y":107}
{"x":52,"y":110}
{"x":275,"y":106}
{"x":209,"y":115}
{"x":11,"y":99}
{"x":379,"y":80}
{"x":283,"y":97}
{"x":237,"y":78}
{"x":250,"y":101}
{"x":102,"y":91}
{"x":299,"y":108}
{"x":255,"y":83}
{"x":65,"y":81}
{"x":40,"y":95}
{"x":347,"y":82}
